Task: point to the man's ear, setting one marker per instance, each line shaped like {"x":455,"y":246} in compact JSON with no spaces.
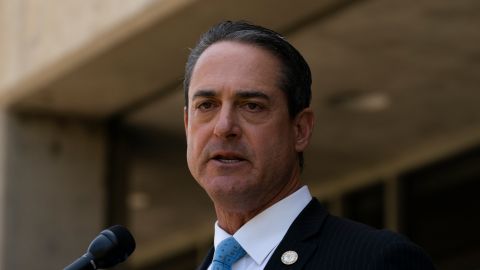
{"x":303,"y":126}
{"x":185,"y":119}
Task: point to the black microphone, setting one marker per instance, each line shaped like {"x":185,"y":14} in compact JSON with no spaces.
{"x":111,"y":247}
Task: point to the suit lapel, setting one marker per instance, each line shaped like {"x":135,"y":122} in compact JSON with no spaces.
{"x":299,"y":238}
{"x":207,"y":261}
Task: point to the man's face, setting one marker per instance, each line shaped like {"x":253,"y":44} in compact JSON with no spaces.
{"x":241,"y":141}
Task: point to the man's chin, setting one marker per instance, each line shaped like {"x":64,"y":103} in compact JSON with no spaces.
{"x":227,"y":185}
{"x":231,"y":191}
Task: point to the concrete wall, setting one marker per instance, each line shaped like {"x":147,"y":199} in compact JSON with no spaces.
{"x":51,"y":190}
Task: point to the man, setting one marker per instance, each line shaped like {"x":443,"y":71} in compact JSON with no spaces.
{"x":247,"y":121}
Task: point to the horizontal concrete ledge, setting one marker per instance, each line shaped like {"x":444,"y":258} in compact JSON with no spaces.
{"x":52,"y":84}
{"x":143,"y":56}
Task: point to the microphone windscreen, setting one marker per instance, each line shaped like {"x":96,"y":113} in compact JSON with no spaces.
{"x":126,"y":242}
{"x":111,"y":247}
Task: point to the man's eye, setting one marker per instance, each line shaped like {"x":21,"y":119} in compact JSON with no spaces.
{"x":205,"y":105}
{"x":254,"y":107}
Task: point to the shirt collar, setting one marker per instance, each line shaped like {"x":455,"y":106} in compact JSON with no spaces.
{"x":262,"y":234}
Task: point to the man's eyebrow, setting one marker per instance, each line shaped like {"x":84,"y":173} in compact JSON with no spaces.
{"x":252,"y":94}
{"x":204,"y":93}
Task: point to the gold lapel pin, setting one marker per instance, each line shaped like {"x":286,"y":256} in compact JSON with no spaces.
{"x":289,"y":257}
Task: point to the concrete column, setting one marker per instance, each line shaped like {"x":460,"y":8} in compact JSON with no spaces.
{"x":51,"y":190}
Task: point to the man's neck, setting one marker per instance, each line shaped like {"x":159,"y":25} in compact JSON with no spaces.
{"x":231,"y":221}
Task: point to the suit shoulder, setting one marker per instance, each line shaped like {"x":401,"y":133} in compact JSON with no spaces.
{"x":345,"y":231}
{"x":362,"y":234}
{"x":367,"y":247}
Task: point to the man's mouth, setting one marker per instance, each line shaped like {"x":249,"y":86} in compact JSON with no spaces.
{"x":228,"y":159}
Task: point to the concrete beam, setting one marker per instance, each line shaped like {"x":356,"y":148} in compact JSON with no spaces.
{"x":40,"y":40}
{"x":146,"y":60}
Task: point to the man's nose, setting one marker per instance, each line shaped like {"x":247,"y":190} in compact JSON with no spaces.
{"x":226,"y":125}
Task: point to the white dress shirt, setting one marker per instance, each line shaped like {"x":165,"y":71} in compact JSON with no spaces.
{"x":260,"y":236}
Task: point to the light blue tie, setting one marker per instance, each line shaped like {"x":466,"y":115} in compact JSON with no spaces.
{"x":226,"y":254}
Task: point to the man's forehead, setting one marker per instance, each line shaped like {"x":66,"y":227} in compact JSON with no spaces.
{"x":234,"y":69}
{"x":234,"y":58}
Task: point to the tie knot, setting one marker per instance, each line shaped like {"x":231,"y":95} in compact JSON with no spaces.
{"x":226,"y":254}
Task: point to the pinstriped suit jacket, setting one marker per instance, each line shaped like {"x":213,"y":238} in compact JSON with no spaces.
{"x":325,"y":242}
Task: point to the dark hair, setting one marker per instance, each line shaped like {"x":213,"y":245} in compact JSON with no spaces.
{"x":296,"y":77}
